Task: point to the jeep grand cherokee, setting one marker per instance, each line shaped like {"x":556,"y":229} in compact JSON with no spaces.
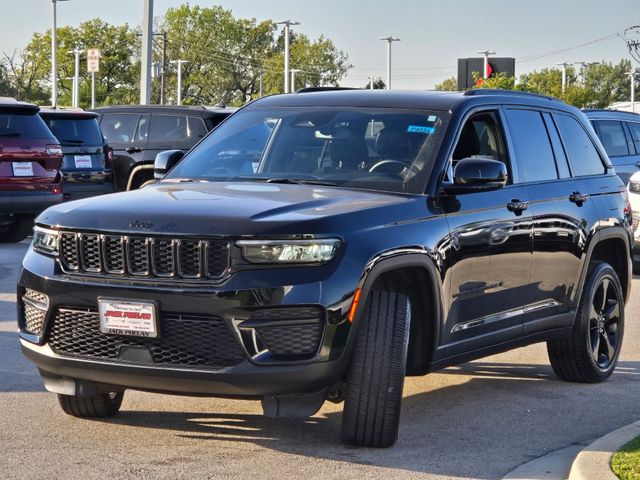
{"x":323,"y":245}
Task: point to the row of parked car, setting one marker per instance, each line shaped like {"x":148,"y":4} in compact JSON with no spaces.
{"x":51,"y":155}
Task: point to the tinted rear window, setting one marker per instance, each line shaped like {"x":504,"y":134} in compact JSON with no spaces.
{"x":81,"y":131}
{"x":17,"y":124}
{"x":612,"y":136}
{"x":534,"y":154}
{"x":582,"y":153}
{"x":119,"y":127}
{"x":175,"y":128}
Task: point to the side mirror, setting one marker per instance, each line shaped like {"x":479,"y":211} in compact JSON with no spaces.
{"x":477,"y":174}
{"x":165,"y":161}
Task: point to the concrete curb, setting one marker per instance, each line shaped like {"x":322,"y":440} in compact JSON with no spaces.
{"x":593,"y":463}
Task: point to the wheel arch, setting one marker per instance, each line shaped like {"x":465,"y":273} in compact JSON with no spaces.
{"x":611,"y":245}
{"x":415,"y":274}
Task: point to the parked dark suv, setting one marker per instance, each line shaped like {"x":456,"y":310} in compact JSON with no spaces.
{"x":138,"y":132}
{"x":322,"y":245}
{"x":86,"y":164}
{"x":619,"y":133}
{"x":30,"y":179}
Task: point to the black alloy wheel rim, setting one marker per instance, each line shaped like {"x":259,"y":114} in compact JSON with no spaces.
{"x":604,"y":323}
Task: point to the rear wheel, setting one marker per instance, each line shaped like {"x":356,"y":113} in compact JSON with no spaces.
{"x":16,"y":231}
{"x":102,"y":405}
{"x":590,"y":355}
{"x":376,"y":372}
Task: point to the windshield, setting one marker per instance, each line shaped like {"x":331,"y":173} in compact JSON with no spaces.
{"x":377,"y":149}
{"x":75,"y":130}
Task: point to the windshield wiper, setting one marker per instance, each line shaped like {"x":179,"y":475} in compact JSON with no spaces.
{"x":301,"y":181}
{"x":11,"y":133}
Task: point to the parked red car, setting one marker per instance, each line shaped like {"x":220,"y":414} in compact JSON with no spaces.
{"x":30,"y":178}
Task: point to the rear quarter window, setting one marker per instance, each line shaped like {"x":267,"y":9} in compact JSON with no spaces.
{"x":119,"y":127}
{"x":176,"y":128}
{"x":581,"y":152}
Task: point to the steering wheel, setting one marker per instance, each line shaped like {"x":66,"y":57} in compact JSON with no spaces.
{"x":375,"y":167}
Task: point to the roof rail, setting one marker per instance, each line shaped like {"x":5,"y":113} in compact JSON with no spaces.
{"x":500,"y":91}
{"x":324,"y":89}
{"x":608,"y":110}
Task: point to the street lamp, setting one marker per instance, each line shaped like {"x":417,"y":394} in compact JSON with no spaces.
{"x":54,"y":57}
{"x":287,"y":24}
{"x":293,"y":78}
{"x":564,"y":66}
{"x":632,"y":78}
{"x":179,"y":63}
{"x":389,"y":39}
{"x":485,"y":54}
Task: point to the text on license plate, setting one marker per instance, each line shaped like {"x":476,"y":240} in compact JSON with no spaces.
{"x":22,"y":169}
{"x":120,"y":317}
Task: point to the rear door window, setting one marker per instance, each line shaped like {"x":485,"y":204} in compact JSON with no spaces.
{"x":613,"y":138}
{"x":582,"y":153}
{"x":119,"y":127}
{"x":534,"y":155}
{"x":81,"y":131}
{"x":634,"y":128}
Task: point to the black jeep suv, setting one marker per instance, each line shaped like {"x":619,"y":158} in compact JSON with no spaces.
{"x":324,"y":245}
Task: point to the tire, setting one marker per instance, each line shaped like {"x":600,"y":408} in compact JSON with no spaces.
{"x":17,"y":231}
{"x":591,"y":353}
{"x":376,"y":372}
{"x":102,"y":405}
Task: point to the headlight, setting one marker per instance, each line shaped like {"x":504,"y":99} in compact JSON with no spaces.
{"x":634,"y":186}
{"x":289,"y":251}
{"x":45,"y":240}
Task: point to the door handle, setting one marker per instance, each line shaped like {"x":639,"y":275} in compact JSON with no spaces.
{"x":516,"y":206}
{"x":578,"y":198}
{"x":133,"y":150}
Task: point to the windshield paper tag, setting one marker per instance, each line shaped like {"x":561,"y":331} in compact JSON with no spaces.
{"x":420,"y":129}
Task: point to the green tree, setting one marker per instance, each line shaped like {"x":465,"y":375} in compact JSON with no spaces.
{"x":378,"y":84}
{"x":448,"y":85}
{"x":500,"y":81}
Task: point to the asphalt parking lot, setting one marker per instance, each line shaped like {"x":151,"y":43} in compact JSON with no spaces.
{"x":480,"y":420}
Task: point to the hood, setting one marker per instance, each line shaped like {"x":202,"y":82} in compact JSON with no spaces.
{"x":243,"y":208}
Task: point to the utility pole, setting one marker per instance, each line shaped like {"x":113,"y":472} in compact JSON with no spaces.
{"x":75,"y":96}
{"x":293,"y":78}
{"x":145,"y":66}
{"x":179,"y":63}
{"x":163,"y":84}
{"x":564,"y":66}
{"x":260,"y":80}
{"x":389,"y":39}
{"x":287,"y":24}
{"x":54,"y":56}
{"x":485,"y":54}
{"x":632,"y":78}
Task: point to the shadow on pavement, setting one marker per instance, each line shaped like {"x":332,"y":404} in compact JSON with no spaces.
{"x":500,"y":408}
{"x":16,"y":373}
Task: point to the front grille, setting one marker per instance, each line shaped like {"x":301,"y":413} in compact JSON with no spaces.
{"x":289,"y":331}
{"x":184,"y":341}
{"x":140,"y":256}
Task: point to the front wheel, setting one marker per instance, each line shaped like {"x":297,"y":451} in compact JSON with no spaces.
{"x":102,"y":405}
{"x":590,"y":355}
{"x":375,"y":377}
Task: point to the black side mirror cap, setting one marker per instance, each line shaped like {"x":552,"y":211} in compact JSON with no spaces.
{"x":477,"y":174}
{"x":165,"y":161}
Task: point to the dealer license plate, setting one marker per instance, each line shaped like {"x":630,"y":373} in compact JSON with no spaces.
{"x":122,"y":317}
{"x":82,"y":161}
{"x":22,"y":169}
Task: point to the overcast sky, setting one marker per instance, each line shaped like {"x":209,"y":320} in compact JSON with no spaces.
{"x":434,"y":33}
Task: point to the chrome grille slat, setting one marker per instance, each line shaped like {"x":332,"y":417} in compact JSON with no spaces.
{"x":139,"y":256}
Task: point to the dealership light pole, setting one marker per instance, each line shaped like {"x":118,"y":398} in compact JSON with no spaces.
{"x":145,"y":65}
{"x":293,"y":78}
{"x":179,"y":63}
{"x":54,"y":57}
{"x":632,"y":78}
{"x":485,"y":54}
{"x":564,"y":66}
{"x":389,"y":39}
{"x":287,"y":24}
{"x":75,"y":97}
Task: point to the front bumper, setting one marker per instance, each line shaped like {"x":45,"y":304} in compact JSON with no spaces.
{"x":255,"y":375}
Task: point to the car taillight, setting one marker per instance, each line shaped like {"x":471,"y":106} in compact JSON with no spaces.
{"x":109,"y":156}
{"x":53,"y":150}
